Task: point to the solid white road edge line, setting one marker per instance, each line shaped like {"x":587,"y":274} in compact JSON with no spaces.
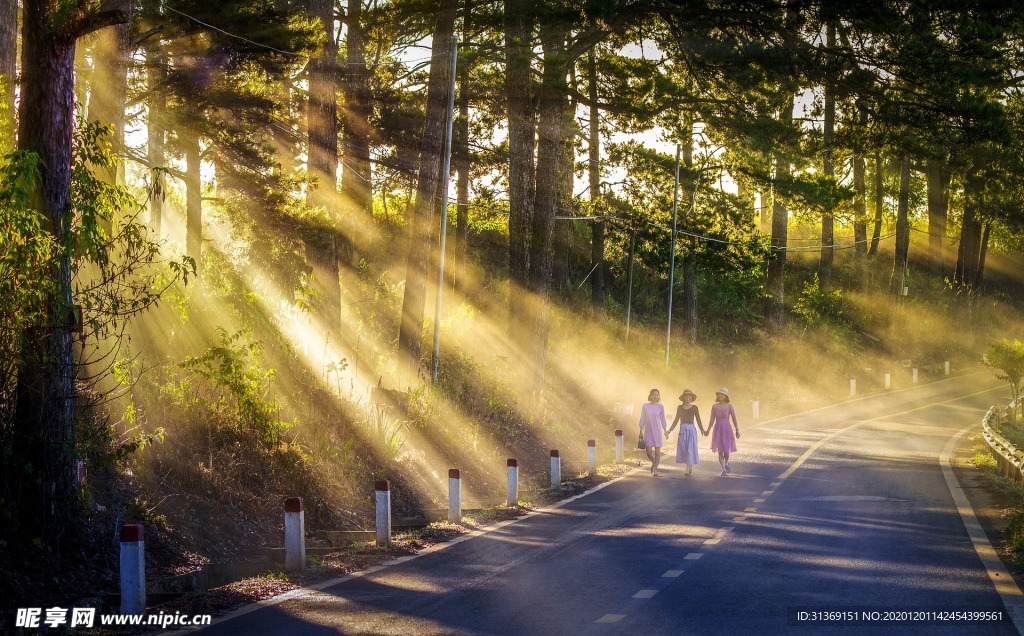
{"x":301,"y":592}
{"x":1005,"y":586}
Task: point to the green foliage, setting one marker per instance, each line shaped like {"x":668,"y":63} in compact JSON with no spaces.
{"x":240,"y":385}
{"x":119,"y":270}
{"x":384,"y":434}
{"x":26,"y":250}
{"x":819,"y":308}
{"x":1007,"y":358}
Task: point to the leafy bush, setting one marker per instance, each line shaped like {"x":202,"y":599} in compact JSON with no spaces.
{"x":241,"y":386}
{"x":821,"y":308}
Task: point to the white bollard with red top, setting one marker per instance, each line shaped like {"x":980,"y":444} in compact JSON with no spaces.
{"x":512,"y":496}
{"x":294,"y":534}
{"x":618,"y":446}
{"x":382,"y":490}
{"x":454,"y":495}
{"x":556,"y":469}
{"x":592,"y":457}
{"x":133,"y":570}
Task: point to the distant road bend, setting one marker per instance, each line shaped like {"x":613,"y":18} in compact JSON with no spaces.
{"x":847,"y":512}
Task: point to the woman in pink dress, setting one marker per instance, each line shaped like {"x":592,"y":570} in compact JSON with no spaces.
{"x":722,"y":440}
{"x":652,"y":424}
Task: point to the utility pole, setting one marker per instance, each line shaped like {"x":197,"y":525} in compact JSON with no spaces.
{"x":629,"y":283}
{"x":672,"y":259}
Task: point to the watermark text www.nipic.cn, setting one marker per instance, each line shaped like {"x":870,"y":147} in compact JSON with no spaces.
{"x":54,"y":617}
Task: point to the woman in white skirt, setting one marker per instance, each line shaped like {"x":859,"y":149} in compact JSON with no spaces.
{"x":686,"y":446}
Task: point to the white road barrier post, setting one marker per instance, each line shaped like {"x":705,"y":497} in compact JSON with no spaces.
{"x":853,"y":386}
{"x":556,"y":469}
{"x":946,"y":365}
{"x":133,"y":570}
{"x":512,"y":496}
{"x":618,"y":446}
{"x":592,"y":457}
{"x":913,"y":375}
{"x":383,"y":494}
{"x":294,"y":534}
{"x":755,"y":408}
{"x":454,"y":495}
{"x":888,"y":380}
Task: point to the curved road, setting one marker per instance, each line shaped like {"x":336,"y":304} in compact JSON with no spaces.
{"x":839,"y":510}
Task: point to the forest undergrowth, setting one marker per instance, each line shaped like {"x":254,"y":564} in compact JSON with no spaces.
{"x":214,"y":427}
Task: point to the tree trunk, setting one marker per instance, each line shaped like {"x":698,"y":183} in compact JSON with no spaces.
{"x":549,"y":151}
{"x":521,"y":137}
{"x":860,"y":226}
{"x":690,"y":254}
{"x":876,"y":233}
{"x":897,"y":281}
{"x":462,"y":164}
{"x":982,"y":253}
{"x":193,"y":197}
{"x":8,"y":70}
{"x":564,"y":228}
{"x":46,"y":505}
{"x":322,"y":114}
{"x":356,"y":176}
{"x":155,"y":132}
{"x":966,"y":276}
{"x":767,"y":203}
{"x":597,"y":264}
{"x":421,"y":226}
{"x":775,"y":302}
{"x":828,"y":216}
{"x":938,"y":175}
{"x":109,"y":89}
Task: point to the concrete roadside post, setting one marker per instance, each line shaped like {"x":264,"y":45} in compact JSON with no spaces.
{"x":383,"y":495}
{"x":133,"y":570}
{"x":592,"y":457}
{"x":618,"y":446}
{"x":294,"y":534}
{"x":946,"y":367}
{"x":888,"y":380}
{"x":755,"y":409}
{"x":454,"y":495}
{"x":913,"y":375}
{"x":512,"y":495}
{"x":556,"y":469}
{"x":853,"y":386}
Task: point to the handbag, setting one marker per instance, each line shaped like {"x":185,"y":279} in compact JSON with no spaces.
{"x":641,"y":443}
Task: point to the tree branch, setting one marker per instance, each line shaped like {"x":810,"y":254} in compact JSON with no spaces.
{"x":86,"y":20}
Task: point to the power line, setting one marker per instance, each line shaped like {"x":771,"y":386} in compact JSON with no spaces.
{"x":237,"y":37}
{"x":267,"y":46}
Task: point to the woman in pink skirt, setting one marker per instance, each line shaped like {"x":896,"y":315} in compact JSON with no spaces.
{"x":686,"y":446}
{"x":652,"y":424}
{"x":722,"y":440}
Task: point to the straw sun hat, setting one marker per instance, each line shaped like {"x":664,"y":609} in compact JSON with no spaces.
{"x":687,"y":392}
{"x":723,"y":391}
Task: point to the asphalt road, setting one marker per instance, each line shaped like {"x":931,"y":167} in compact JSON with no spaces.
{"x":843,"y":509}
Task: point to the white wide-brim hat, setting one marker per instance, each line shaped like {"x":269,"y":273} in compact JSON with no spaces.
{"x":723,"y":391}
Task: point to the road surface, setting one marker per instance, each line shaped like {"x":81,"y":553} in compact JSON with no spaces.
{"x":841,"y":513}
